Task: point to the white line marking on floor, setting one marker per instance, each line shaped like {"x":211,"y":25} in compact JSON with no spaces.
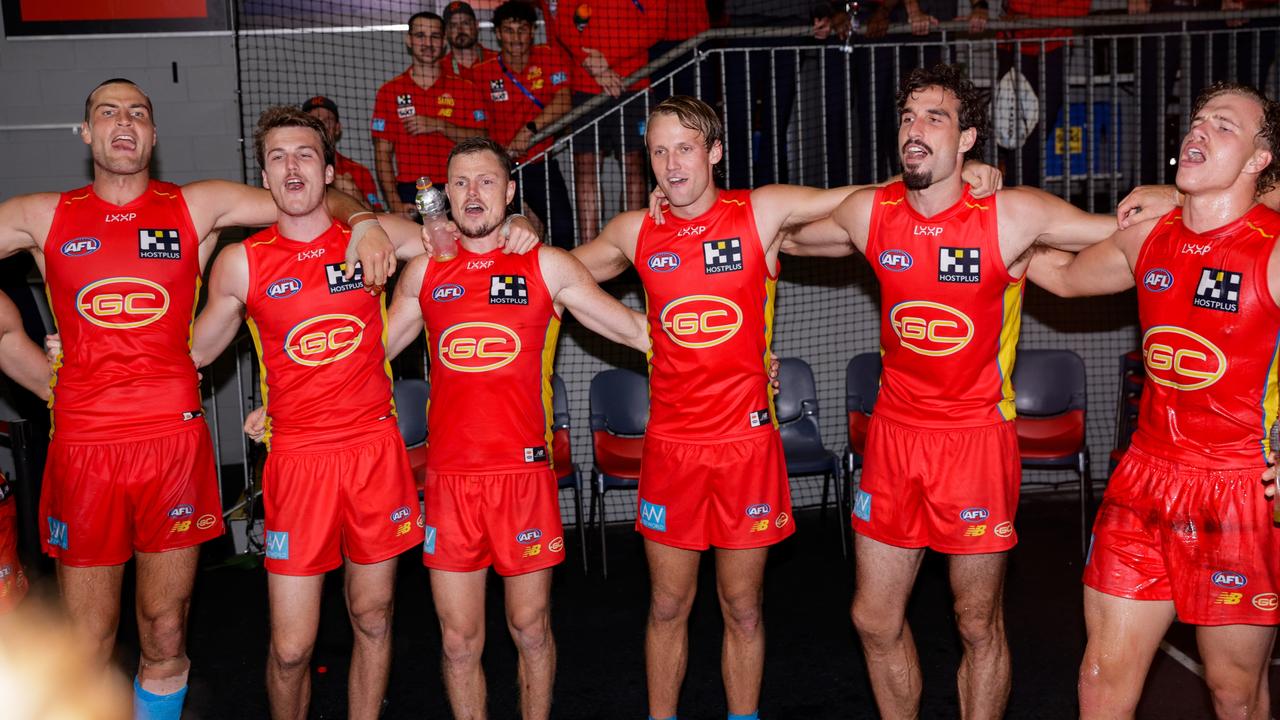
{"x":1182,"y":658}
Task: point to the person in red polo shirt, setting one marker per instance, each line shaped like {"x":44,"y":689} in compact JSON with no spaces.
{"x":528,"y":86}
{"x":420,"y":114}
{"x":463,"y":35}
{"x":350,"y":176}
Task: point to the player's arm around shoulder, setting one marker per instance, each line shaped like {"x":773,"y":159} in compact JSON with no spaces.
{"x":612,"y":251}
{"x":841,"y":233}
{"x":1103,"y":268}
{"x":20,"y":358}
{"x":1028,"y":216}
{"x":404,"y":319}
{"x":218,"y":322}
{"x":25,"y":222}
{"x":572,"y":287}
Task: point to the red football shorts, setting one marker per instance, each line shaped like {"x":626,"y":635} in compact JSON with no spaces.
{"x":509,"y":520}
{"x":101,"y":502}
{"x":732,"y":494}
{"x":357,"y":502}
{"x":1199,"y":537}
{"x":955,"y":491}
{"x":13,"y":582}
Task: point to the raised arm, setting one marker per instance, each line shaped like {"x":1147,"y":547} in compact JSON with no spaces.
{"x":404,"y":319}
{"x":1102,"y":269}
{"x":20,"y":358}
{"x":218,"y":322}
{"x":572,"y":288}
{"x":25,"y":221}
{"x":837,"y":235}
{"x":613,"y":250}
{"x":1028,"y":216}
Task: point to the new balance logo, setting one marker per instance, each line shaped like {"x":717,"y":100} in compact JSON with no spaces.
{"x":959,"y":265}
{"x":159,"y":245}
{"x":1218,"y":290}
{"x":759,"y":417}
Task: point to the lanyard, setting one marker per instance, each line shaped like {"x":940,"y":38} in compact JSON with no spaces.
{"x":532,"y":98}
{"x":639,"y":5}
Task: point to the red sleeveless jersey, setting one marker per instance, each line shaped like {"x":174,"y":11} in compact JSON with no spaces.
{"x":1210,"y":333}
{"x":321,"y":341}
{"x":950,"y":312}
{"x":122,"y":282}
{"x":491,"y":329}
{"x":710,"y":307}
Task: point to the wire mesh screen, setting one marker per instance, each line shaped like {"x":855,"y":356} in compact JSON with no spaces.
{"x":1085,"y":108}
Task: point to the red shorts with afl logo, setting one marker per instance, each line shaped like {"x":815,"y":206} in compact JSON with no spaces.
{"x":357,"y":502}
{"x":955,"y":491}
{"x":103,"y":501}
{"x":727,"y":494}
{"x":13,"y":582}
{"x":1202,"y":538}
{"x":508,"y":520}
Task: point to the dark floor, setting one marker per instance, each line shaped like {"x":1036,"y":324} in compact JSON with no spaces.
{"x":814,"y":667}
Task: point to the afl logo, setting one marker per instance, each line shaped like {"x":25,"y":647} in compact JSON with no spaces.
{"x":447,"y":293}
{"x":284,"y":287}
{"x":700,"y":321}
{"x":664,"y":261}
{"x":81,"y":246}
{"x":324,"y":339}
{"x":759,"y":510}
{"x":400,"y":513}
{"x":181,"y":511}
{"x":1157,"y":280}
{"x":930,"y":328}
{"x":122,"y":303}
{"x":1229,"y":580}
{"x":895,"y":260}
{"x":477,"y":347}
{"x":1180,"y":359}
{"x":974,"y":514}
{"x":529,"y":536}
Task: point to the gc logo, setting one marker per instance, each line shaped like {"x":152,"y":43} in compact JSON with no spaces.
{"x":478,"y":347}
{"x":930,"y":328}
{"x":699,"y":321}
{"x":1180,"y":359}
{"x":324,"y":339}
{"x":122,"y":303}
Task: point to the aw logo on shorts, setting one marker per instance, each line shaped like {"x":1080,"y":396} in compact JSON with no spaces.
{"x":700,"y":321}
{"x":477,"y":347}
{"x":1228,"y":580}
{"x":653,"y":516}
{"x":57,"y":533}
{"x":862,"y":505}
{"x":930,"y":328}
{"x":277,"y":545}
{"x":1178,"y":358}
{"x":429,"y":541}
{"x":1157,"y":280}
{"x":122,"y":303}
{"x":895,"y":260}
{"x":324,"y":339}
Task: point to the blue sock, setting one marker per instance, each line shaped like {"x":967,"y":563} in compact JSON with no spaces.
{"x":753,"y":716}
{"x":673,"y":717}
{"x":149,"y":706}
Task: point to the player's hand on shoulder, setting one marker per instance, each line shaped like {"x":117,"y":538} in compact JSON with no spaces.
{"x":1269,"y":478}
{"x":983,"y":179}
{"x":1146,"y":202}
{"x":53,"y":347}
{"x":255,"y":425}
{"x":657,"y":201}
{"x":519,"y":236}
{"x":370,"y":246}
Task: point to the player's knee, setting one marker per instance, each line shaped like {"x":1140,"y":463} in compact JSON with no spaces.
{"x":742,"y":616}
{"x":666,"y":607}
{"x":290,"y":655}
{"x":462,"y":646}
{"x":1102,"y":687}
{"x":875,"y":624}
{"x":373,"y":622}
{"x":979,"y":627}
{"x":1234,"y":691}
{"x":161,"y":634}
{"x":530,"y":630}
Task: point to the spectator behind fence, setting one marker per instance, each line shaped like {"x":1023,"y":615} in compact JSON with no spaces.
{"x":349,"y":176}
{"x":607,"y":41}
{"x":1216,"y":65}
{"x":685,"y":20}
{"x":462,"y":32}
{"x":528,"y":86}
{"x":1032,"y":57}
{"x":421,"y":114}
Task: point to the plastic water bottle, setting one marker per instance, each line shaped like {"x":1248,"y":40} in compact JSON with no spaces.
{"x":432,"y":204}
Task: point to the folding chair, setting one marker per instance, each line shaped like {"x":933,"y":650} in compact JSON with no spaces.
{"x":797,"y":408}
{"x":619,"y":413}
